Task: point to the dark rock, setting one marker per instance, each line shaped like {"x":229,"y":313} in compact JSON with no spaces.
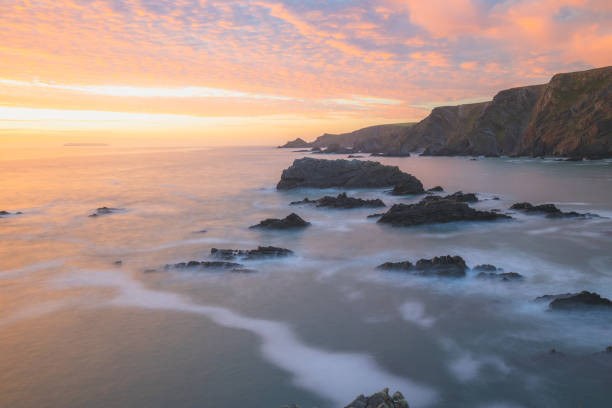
{"x":377,"y":215}
{"x":442,"y":266}
{"x":294,"y":144}
{"x":458,"y":196}
{"x":321,"y":173}
{"x":548,"y":298}
{"x":201,"y":231}
{"x":380,"y":400}
{"x":118,"y":263}
{"x":208,"y":265}
{"x":250,"y":254}
{"x":335,"y":148}
{"x":342,"y":201}
{"x":355,"y":156}
{"x":505,"y":276}
{"x":291,"y":221}
{"x":4,"y":213}
{"x":104,"y":211}
{"x":434,"y":212}
{"x":396,"y":266}
{"x":550,"y":210}
{"x":436,"y":189}
{"x":485,"y":268}
{"x":582,"y":300}
{"x":406,"y":188}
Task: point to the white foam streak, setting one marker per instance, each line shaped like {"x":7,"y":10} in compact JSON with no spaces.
{"x":340,"y":377}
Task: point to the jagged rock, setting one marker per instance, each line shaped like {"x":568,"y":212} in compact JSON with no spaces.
{"x":458,"y":196}
{"x":407,"y":188}
{"x":294,"y":144}
{"x":582,"y":300}
{"x":436,"y":189}
{"x":250,"y":254}
{"x":104,"y":211}
{"x":204,"y":265}
{"x":380,"y":400}
{"x":442,"y":266}
{"x":505,"y":276}
{"x":321,"y":173}
{"x":291,"y":221}
{"x":550,"y":210}
{"x":434,"y":212}
{"x":342,"y":201}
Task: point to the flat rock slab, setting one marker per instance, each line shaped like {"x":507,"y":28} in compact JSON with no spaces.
{"x":322,"y":173}
{"x":436,"y":212}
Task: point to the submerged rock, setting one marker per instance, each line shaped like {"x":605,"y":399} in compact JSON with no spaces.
{"x":380,"y":400}
{"x":207,"y":265}
{"x":250,"y":254}
{"x":442,"y":266}
{"x":321,"y":173}
{"x":342,"y":201}
{"x":486,"y":268}
{"x":291,"y":221}
{"x":104,"y":211}
{"x":550,"y":210}
{"x":435,"y":212}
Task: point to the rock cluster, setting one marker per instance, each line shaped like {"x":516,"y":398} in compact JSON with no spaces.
{"x":208,"y":265}
{"x":381,"y":399}
{"x":577,"y":301}
{"x":550,"y":210}
{"x":442,"y":266}
{"x":250,"y":254}
{"x":435,"y":211}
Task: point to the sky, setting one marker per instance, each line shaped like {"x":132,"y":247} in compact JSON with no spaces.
{"x":256,"y":72}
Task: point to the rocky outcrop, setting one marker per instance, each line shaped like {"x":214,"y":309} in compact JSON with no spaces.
{"x":571,"y":116}
{"x":435,"y":212}
{"x":380,"y":400}
{"x":6,"y":213}
{"x":342,"y":201}
{"x":582,"y":300}
{"x":576,"y":301}
{"x":104,"y":211}
{"x":441,"y":266}
{"x":208,"y":265}
{"x":550,"y":210}
{"x":295,"y":144}
{"x":292,"y":221}
{"x":502,"y":276}
{"x":250,"y":254}
{"x":321,"y":173}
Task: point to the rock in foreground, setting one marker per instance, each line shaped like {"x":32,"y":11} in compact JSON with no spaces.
{"x":380,"y":400}
{"x":321,"y":173}
{"x":458,"y":196}
{"x":292,"y":221}
{"x":342,"y":201}
{"x":250,"y":254}
{"x":442,"y":266}
{"x":435,"y":212}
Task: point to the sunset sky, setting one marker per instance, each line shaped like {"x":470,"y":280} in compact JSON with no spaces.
{"x":261,"y":72}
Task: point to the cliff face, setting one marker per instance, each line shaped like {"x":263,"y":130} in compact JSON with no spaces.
{"x":569,"y":116}
{"x":573,"y":117}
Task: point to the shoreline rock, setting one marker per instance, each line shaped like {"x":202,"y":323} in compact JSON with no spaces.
{"x":342,"y":201}
{"x":436,"y":211}
{"x":459,"y":196}
{"x":322,"y":173}
{"x":295,"y":144}
{"x":292,"y":221}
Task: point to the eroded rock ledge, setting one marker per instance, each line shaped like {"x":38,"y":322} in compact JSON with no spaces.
{"x":342,"y":201}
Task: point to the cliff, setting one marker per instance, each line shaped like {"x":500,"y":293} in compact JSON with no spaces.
{"x":570,"y":116}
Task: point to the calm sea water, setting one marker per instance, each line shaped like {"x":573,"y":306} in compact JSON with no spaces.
{"x":316,"y":329}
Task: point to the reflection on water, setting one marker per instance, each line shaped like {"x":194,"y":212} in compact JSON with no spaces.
{"x":318,"y":328}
